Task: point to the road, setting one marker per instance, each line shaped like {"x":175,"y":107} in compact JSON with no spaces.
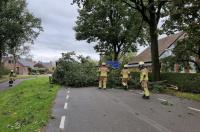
{"x":112,"y":110}
{"x":5,"y":85}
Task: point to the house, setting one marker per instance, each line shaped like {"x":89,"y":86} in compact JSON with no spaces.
{"x":48,"y":66}
{"x":165,"y":47}
{"x":23,"y":66}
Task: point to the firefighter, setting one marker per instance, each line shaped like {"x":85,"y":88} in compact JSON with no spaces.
{"x":11,"y":78}
{"x":103,"y":76}
{"x":125,"y":77}
{"x":144,"y":79}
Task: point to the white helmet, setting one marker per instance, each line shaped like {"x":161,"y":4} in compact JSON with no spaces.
{"x":11,"y":71}
{"x":103,"y":64}
{"x":141,"y":63}
{"x":125,"y":66}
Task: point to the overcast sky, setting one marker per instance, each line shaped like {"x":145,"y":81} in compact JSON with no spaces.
{"x":58,"y":19}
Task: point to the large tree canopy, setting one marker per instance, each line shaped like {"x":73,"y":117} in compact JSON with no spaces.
{"x":17,"y":26}
{"x":112,"y":25}
{"x":185,"y":17}
{"x":150,"y":11}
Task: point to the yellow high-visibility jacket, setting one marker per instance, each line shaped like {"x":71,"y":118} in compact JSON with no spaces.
{"x":125,"y":73}
{"x":144,"y":75}
{"x":103,"y":71}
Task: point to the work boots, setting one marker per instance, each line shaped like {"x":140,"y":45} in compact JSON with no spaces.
{"x":145,"y":97}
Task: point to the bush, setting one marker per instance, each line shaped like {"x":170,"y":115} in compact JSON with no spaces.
{"x":4,"y":71}
{"x":186,"y":82}
{"x":114,"y":79}
{"x":82,"y":72}
{"x":75,"y":71}
{"x":157,"y":88}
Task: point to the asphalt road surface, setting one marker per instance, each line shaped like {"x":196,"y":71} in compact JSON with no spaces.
{"x":93,"y":110}
{"x":5,"y":85}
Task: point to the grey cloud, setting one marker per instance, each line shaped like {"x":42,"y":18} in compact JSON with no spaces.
{"x":58,"y":19}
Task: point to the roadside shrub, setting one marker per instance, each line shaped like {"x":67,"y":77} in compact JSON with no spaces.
{"x":82,"y":72}
{"x":114,"y":79}
{"x":157,"y":88}
{"x":75,"y":71}
{"x":135,"y":80}
{"x":4,"y":71}
{"x":186,"y":82}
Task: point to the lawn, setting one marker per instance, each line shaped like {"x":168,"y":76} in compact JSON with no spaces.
{"x":190,"y":96}
{"x":27,"y":107}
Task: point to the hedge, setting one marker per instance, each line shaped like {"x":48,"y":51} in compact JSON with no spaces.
{"x":77,"y":74}
{"x":186,"y":82}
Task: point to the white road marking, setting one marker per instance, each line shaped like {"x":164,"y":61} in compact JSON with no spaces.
{"x":162,"y":99}
{"x":194,"y":109}
{"x":68,"y":91}
{"x":141,"y":93}
{"x":65,"y":106}
{"x":67,"y":97}
{"x":62,"y":123}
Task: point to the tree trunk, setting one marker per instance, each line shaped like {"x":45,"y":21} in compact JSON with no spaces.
{"x":1,"y":55}
{"x":197,"y":64}
{"x":198,"y":61}
{"x":154,"y":52}
{"x":116,"y":53}
{"x":177,"y":68}
{"x":13,"y":51}
{"x":15,"y":61}
{"x":187,"y":67}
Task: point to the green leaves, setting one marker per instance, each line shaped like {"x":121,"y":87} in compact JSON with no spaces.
{"x":185,"y":16}
{"x":17,"y":26}
{"x":75,"y":71}
{"x":111,"y":24}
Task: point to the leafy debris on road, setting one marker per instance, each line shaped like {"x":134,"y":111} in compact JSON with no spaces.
{"x":190,"y":113}
{"x":137,"y":113}
{"x":166,"y":103}
{"x":179,"y":115}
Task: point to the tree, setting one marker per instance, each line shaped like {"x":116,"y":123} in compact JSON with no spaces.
{"x":185,"y":17}
{"x":17,"y":52}
{"x":17,"y":26}
{"x":151,"y":12}
{"x":111,"y":24}
{"x":2,"y":36}
{"x":76,"y":71}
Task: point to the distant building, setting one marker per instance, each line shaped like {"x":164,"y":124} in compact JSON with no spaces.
{"x":23,"y":66}
{"x":165,"y":47}
{"x":49,"y":66}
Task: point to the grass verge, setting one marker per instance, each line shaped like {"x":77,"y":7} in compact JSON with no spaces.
{"x":190,"y":96}
{"x":27,"y":106}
